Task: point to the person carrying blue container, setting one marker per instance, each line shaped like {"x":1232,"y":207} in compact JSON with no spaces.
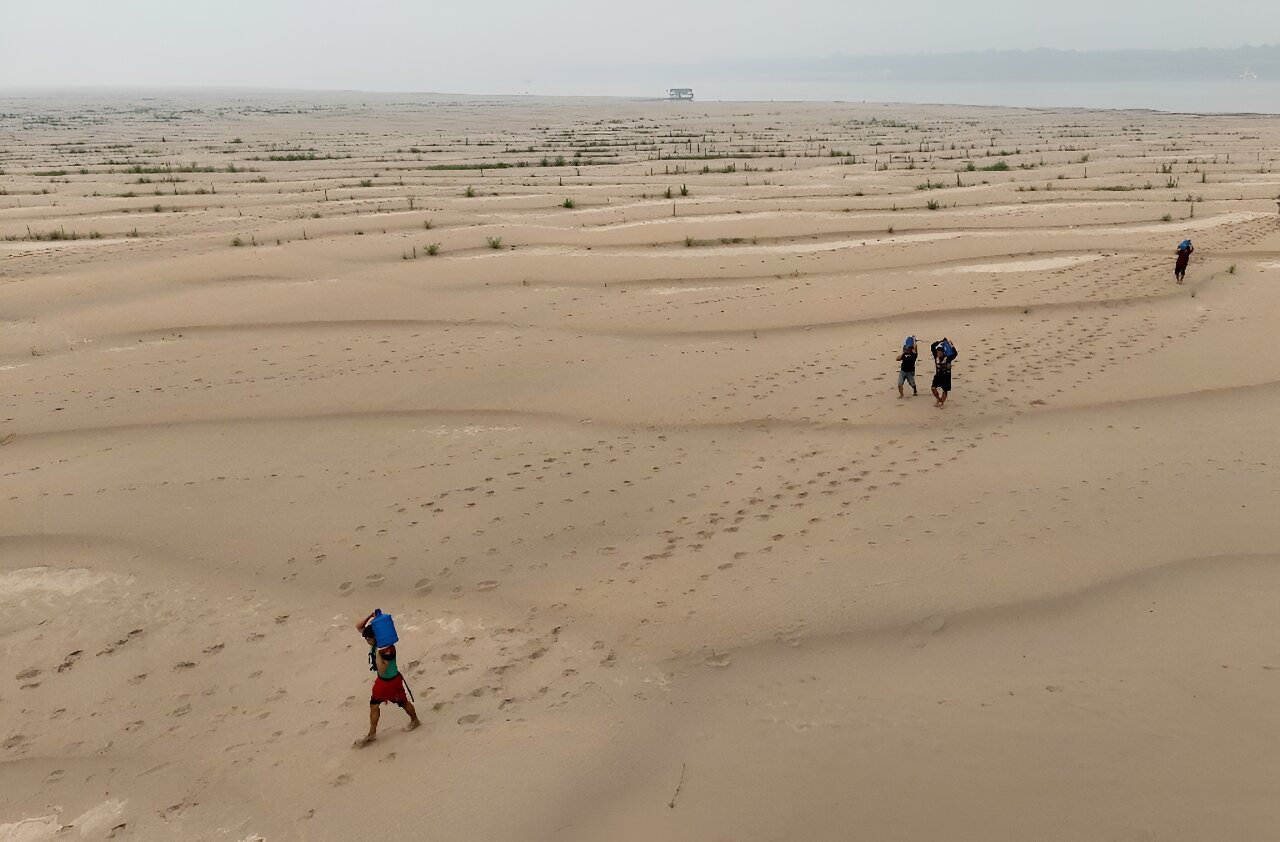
{"x":1184,"y":257}
{"x":907,"y":371}
{"x":379,"y":631}
{"x":944,"y":353}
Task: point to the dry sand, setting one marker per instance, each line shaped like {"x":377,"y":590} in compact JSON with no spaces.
{"x":669,"y":557}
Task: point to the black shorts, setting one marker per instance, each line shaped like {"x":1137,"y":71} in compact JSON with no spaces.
{"x":942,"y":381}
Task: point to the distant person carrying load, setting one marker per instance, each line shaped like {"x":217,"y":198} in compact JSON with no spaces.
{"x":907,"y":373}
{"x":1184,"y":257}
{"x":379,"y":632}
{"x":944,"y":353}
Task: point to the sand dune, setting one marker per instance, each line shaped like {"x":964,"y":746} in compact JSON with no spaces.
{"x":669,"y":556}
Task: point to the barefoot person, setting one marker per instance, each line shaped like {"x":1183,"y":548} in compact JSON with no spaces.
{"x":1184,"y":256}
{"x":944,"y":353}
{"x":907,"y":373}
{"x":388,"y":684}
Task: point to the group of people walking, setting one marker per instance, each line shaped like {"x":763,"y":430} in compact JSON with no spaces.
{"x":944,"y":354}
{"x":944,"y":350}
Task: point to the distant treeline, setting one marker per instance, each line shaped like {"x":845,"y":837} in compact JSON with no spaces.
{"x":1044,"y":65}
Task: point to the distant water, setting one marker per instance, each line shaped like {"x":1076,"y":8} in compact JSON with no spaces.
{"x":1232,"y":96}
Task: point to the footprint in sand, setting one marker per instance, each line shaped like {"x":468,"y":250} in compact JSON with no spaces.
{"x":487,"y":585}
{"x":373,"y":580}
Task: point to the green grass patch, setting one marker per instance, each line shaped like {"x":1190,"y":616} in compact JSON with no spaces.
{"x":52,"y":236}
{"x":691,"y":242}
{"x":297,"y":156}
{"x":487,"y":165}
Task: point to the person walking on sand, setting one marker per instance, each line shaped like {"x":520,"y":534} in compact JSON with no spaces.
{"x":944,"y":353}
{"x":388,"y":683}
{"x":907,"y":372}
{"x":1184,"y":257}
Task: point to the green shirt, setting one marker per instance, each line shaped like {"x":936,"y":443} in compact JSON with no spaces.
{"x":390,"y":657}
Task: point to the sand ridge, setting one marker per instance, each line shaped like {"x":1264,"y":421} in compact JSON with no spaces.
{"x":669,"y":556}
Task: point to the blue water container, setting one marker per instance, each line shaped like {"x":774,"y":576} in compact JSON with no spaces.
{"x":384,"y":630}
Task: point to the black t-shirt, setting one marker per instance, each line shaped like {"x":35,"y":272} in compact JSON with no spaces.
{"x":909,"y":359}
{"x":944,"y":365}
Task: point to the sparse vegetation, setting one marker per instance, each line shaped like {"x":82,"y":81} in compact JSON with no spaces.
{"x":691,"y":242}
{"x":237,"y":242}
{"x":1168,"y":217}
{"x":485,"y":165}
{"x":568,"y":203}
{"x":366,"y":182}
{"x":932,"y":204}
{"x":684,"y":190}
{"x":433,"y":249}
{"x":298,"y":156}
{"x":1231,"y":270}
{"x":494,"y":242}
{"x":54,"y":235}
{"x":470,"y":193}
{"x":998,"y":166}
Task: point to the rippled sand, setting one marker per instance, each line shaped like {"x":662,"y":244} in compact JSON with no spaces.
{"x":669,"y":557}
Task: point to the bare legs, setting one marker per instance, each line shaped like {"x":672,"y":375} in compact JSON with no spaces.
{"x":940,"y":395}
{"x":375,"y":713}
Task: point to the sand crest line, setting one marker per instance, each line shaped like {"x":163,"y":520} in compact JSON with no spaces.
{"x":988,"y":614}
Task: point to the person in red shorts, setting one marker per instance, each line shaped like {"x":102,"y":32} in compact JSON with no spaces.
{"x":388,"y":684}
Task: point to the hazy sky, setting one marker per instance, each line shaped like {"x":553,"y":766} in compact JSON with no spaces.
{"x":556,"y":46}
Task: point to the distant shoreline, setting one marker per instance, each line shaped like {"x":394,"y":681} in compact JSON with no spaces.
{"x":1236,"y":97}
